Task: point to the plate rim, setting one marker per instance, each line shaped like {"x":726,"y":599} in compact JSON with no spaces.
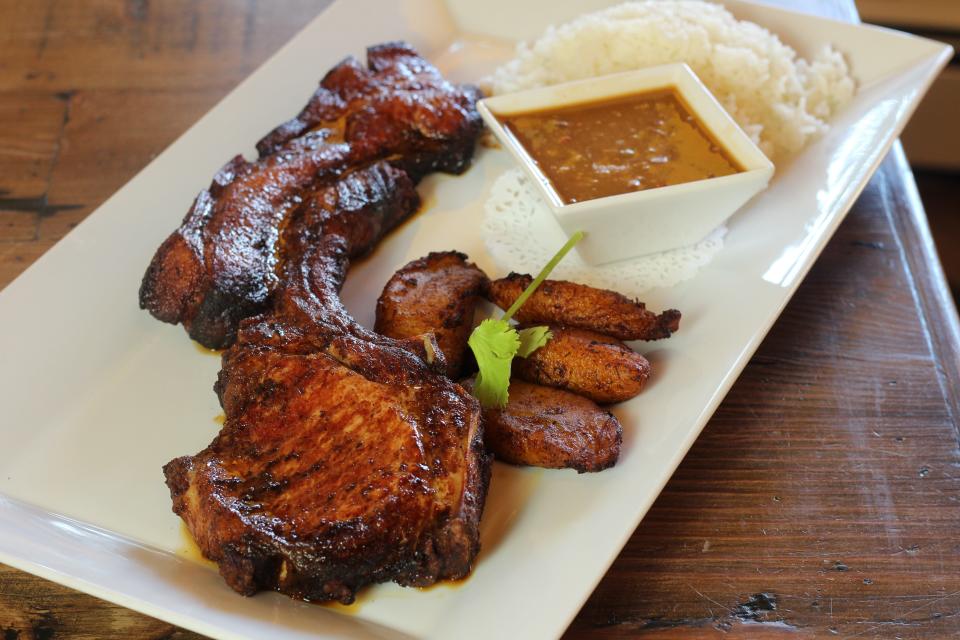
{"x":936,"y":63}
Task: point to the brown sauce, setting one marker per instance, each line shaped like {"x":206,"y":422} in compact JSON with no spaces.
{"x":614,"y":146}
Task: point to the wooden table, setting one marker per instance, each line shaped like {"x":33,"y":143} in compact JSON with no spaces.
{"x":821,"y":499}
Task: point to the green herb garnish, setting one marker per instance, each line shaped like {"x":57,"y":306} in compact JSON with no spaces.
{"x":495,"y":343}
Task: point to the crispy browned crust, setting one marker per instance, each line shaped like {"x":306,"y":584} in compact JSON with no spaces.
{"x":219,"y":266}
{"x":222,"y":264}
{"x":552,"y":428}
{"x":399,"y":107}
{"x":435,"y":294}
{"x":575,"y":305}
{"x":344,"y":459}
{"x":293,"y":496}
{"x":589,"y":364}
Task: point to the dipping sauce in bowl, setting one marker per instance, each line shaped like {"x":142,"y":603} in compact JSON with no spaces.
{"x":619,"y":145}
{"x":641,"y":161}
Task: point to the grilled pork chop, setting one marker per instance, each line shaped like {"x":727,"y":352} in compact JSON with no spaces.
{"x":401,"y":107}
{"x":345,"y":458}
{"x":223,"y":263}
{"x":219,"y":266}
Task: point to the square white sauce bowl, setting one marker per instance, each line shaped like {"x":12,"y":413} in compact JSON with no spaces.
{"x":640,"y":222}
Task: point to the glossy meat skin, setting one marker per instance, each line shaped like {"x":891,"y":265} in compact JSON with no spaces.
{"x":220,"y":265}
{"x":552,"y":428}
{"x":223,"y":263}
{"x":398,"y":107}
{"x":437,"y":293}
{"x":587,"y":363}
{"x":575,"y":305}
{"x":344,"y":458}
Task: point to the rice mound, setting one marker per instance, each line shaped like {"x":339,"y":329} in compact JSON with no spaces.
{"x":781,"y":100}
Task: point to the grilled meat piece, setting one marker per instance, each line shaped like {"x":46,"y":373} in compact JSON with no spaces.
{"x":590,"y":364}
{"x":328,"y":480}
{"x":219,"y":266}
{"x":344,"y":458}
{"x":439,"y":294}
{"x":401,"y":107}
{"x":552,"y":428}
{"x":575,"y":305}
{"x":222,"y":264}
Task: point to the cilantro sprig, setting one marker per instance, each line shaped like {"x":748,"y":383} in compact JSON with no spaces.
{"x":495,"y":342}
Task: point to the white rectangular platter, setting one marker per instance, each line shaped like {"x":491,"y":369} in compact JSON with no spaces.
{"x":97,"y":396}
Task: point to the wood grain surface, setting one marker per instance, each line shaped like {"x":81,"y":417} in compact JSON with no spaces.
{"x":820,"y":501}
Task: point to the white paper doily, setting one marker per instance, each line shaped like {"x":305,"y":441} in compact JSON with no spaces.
{"x":522,"y":235}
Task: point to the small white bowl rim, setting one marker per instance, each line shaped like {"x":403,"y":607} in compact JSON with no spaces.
{"x":759,"y":163}
{"x":668,"y":191}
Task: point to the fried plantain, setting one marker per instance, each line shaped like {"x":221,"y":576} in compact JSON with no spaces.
{"x":576,"y":305}
{"x":552,"y":428}
{"x":587,"y":363}
{"x":437,"y":293}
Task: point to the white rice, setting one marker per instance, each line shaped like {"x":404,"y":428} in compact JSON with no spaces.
{"x":781,"y":100}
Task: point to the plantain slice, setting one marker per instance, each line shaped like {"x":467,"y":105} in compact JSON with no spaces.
{"x":552,"y":428}
{"x":570,"y":304}
{"x":437,"y":293}
{"x":596,"y":366}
